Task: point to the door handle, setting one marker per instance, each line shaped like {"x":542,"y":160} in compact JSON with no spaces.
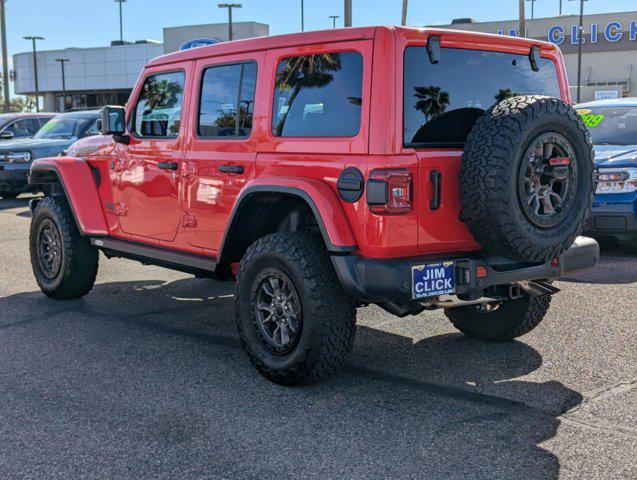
{"x":168,"y":165}
{"x":231,"y":168}
{"x":436,"y":178}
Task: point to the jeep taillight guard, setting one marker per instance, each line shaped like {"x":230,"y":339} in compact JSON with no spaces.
{"x":389,"y":191}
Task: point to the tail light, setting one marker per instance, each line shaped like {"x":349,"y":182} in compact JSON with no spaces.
{"x":389,"y":192}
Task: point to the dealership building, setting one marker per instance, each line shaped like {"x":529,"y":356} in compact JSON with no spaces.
{"x":609,"y":49}
{"x":95,"y":77}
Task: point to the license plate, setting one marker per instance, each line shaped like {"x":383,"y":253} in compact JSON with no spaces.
{"x":432,"y":279}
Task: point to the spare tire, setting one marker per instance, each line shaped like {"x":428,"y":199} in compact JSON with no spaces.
{"x":527,"y":178}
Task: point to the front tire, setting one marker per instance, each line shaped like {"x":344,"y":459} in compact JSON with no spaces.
{"x":294,"y":320}
{"x":500,"y":323}
{"x":64,"y":262}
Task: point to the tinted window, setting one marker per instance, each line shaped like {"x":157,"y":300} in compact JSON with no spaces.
{"x":227,"y":100}
{"x":318,"y":95}
{"x":442,"y":101}
{"x":69,"y":127}
{"x":23,"y":128}
{"x":158,"y":110}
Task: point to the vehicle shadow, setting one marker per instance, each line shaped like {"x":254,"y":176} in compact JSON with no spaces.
{"x":443,"y":407}
{"x":21,"y":202}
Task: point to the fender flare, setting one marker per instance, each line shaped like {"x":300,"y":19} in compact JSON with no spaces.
{"x":321,"y":199}
{"x":79,"y":185}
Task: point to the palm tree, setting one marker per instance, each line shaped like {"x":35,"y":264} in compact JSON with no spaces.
{"x":308,"y":71}
{"x":503,"y":94}
{"x":432,"y":101}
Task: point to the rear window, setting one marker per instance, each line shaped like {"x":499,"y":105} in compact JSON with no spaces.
{"x":443,"y":101}
{"x":318,"y":95}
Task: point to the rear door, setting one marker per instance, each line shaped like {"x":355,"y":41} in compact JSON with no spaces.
{"x":222,"y":144}
{"x":148,"y":169}
{"x":441,"y":103}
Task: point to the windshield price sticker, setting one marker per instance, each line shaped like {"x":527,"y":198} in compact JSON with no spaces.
{"x":590,"y":119}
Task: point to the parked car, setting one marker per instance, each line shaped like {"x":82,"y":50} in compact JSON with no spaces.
{"x":406,"y":167}
{"x":54,"y":137}
{"x":613,"y":127}
{"x":22,"y":125}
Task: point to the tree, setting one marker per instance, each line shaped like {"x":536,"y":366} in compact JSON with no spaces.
{"x":308,"y":71}
{"x":503,"y":94}
{"x":18,"y":104}
{"x":432,"y":101}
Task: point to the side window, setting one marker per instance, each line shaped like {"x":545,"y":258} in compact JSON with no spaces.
{"x":42,"y":121}
{"x":158,"y":109}
{"x":93,"y":128}
{"x":23,"y":128}
{"x":318,"y":95}
{"x":226,"y":105}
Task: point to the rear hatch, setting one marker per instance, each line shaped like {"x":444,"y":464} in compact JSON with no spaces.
{"x":441,"y":103}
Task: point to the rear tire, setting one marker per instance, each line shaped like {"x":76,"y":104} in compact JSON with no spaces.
{"x":64,"y":262}
{"x":286,"y":282}
{"x":511,"y":319}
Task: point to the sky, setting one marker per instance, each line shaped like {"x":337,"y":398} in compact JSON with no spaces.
{"x":93,"y":23}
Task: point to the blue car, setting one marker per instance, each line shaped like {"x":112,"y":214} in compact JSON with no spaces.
{"x":613,"y":127}
{"x":52,"y":139}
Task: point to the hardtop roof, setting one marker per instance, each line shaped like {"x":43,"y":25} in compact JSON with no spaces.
{"x":333,"y":35}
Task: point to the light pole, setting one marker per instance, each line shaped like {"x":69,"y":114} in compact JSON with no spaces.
{"x":334,"y":17}
{"x":35,"y":69}
{"x":403,"y":21}
{"x":348,"y":13}
{"x":121,"y":20}
{"x":229,"y":6}
{"x":522,"y":22}
{"x":302,"y":17}
{"x":532,"y":8}
{"x":62,"y":62}
{"x":5,"y":62}
{"x":560,"y":7}
{"x":580,"y":41}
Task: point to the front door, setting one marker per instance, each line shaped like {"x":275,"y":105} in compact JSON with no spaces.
{"x":148,"y":179}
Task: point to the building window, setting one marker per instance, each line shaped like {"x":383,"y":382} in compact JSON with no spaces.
{"x":158,"y":110}
{"x":226,"y":105}
{"x":318,"y":95}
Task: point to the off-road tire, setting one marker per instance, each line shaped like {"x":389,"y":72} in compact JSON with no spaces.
{"x":9,"y":195}
{"x":79,"y":259}
{"x":511,"y":319}
{"x":491,"y":161}
{"x":328,"y":315}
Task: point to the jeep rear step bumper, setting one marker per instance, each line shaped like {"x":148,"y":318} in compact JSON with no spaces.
{"x":389,"y":280}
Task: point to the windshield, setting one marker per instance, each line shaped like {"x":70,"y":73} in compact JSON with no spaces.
{"x":611,"y":125}
{"x":443,"y":101}
{"x":65,"y":128}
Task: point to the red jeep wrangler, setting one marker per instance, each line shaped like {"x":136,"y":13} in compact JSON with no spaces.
{"x":407,"y":167}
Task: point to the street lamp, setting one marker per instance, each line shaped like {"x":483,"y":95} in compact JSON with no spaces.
{"x":62,"y":62}
{"x":302,"y":17}
{"x":230,"y":6}
{"x":532,"y":8}
{"x":35,"y":69}
{"x":5,"y":62}
{"x":334,"y":17}
{"x":403,"y":20}
{"x":121,"y":20}
{"x":347,"y":9}
{"x":580,"y":41}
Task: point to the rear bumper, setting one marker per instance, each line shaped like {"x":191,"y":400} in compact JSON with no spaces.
{"x":389,"y":280}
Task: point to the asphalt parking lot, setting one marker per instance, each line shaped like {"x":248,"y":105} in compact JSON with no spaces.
{"x":144,"y":378}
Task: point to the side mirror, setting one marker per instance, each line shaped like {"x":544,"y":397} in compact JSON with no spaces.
{"x":6,"y":135}
{"x":113,"y":120}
